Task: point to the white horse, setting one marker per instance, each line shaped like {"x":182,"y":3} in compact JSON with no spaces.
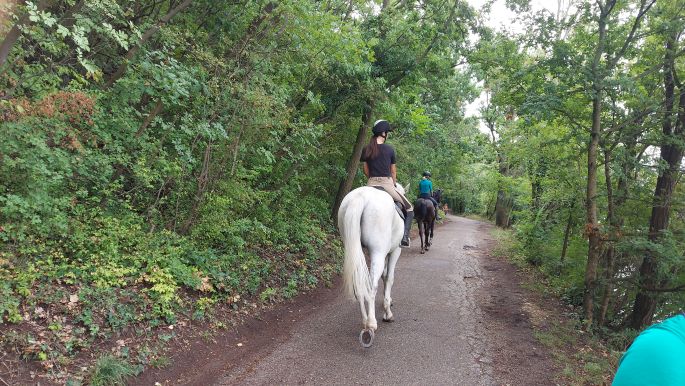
{"x":367,"y":218}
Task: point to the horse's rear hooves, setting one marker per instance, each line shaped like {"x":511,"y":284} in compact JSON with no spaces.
{"x":366,"y":338}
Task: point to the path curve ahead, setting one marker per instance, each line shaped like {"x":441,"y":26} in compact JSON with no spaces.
{"x":437,"y":337}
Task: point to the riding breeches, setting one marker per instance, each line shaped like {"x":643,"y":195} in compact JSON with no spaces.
{"x":389,"y":186}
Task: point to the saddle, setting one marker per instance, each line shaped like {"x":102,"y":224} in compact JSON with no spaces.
{"x":398,"y":206}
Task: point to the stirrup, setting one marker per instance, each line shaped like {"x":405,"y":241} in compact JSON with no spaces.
{"x":408,"y":245}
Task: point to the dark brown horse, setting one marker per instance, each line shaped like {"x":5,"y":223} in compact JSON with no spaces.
{"x":424,"y":212}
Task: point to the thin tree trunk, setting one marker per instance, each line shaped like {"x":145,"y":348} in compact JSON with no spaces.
{"x":236,"y":150}
{"x":609,"y":251}
{"x":504,"y":202}
{"x":536,"y":193}
{"x":15,"y":32}
{"x":119,"y":168}
{"x":567,"y":232}
{"x":251,"y":31}
{"x":150,"y":117}
{"x":592,"y":226}
{"x":353,"y":162}
{"x":592,"y":223}
{"x":202,"y":183}
{"x":146,"y":36}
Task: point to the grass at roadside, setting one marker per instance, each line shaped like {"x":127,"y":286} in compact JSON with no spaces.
{"x":584,"y":359}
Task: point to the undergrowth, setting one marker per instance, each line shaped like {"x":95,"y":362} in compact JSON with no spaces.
{"x":63,"y":300}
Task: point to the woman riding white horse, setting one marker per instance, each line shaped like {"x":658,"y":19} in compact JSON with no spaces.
{"x":380,"y":169}
{"x":367,"y":218}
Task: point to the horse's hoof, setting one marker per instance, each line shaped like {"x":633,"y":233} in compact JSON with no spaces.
{"x":366,"y":338}
{"x":422,"y":251}
{"x":389,"y":320}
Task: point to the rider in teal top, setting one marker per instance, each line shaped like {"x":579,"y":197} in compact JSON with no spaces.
{"x":426,"y":191}
{"x":426,"y":185}
{"x":656,"y":357}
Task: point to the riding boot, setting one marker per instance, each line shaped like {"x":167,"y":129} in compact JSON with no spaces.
{"x":407,"y":226}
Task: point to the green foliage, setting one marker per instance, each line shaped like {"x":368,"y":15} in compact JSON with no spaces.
{"x":145,"y":182}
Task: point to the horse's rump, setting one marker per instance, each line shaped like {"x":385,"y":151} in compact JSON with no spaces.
{"x":424,"y":209}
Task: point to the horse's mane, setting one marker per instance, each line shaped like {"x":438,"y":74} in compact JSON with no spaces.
{"x":437,"y":195}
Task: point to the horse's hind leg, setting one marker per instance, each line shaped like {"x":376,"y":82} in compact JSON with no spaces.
{"x":432,"y":226}
{"x":423,"y":236}
{"x":362,"y":306}
{"x":388,"y":280}
{"x":375,"y":272}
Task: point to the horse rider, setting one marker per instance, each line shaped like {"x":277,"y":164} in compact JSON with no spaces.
{"x":426,"y":191}
{"x":379,"y":167}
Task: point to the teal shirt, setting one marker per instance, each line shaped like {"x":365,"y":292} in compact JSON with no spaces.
{"x":425,"y":186}
{"x":656,"y":357}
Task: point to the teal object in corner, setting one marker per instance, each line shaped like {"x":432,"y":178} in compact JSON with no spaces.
{"x":656,"y":357}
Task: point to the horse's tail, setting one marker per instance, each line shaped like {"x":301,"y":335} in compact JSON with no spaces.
{"x":356,"y":279}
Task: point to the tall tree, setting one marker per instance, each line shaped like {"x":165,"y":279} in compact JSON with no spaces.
{"x":599,"y":71}
{"x":672,"y":151}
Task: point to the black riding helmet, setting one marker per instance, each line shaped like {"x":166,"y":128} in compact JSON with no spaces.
{"x":426,"y":173}
{"x":381,"y":126}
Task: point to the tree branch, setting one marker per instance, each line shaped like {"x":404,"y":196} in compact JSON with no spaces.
{"x":146,"y":36}
{"x":631,"y":35}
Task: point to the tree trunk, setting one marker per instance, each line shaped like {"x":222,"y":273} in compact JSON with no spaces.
{"x":592,"y":223}
{"x":239,"y":47}
{"x":609,"y":252}
{"x":503,"y":208}
{"x":504,"y":202}
{"x":567,"y":232}
{"x":536,"y":193}
{"x":671,"y":154}
{"x":202,"y":184}
{"x":353,"y":162}
{"x":15,"y":32}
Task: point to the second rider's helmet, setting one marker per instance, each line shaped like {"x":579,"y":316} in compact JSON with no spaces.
{"x":381,"y":126}
{"x":426,"y":174}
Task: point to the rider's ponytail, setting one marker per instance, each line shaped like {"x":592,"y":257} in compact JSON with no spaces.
{"x":372,"y":150}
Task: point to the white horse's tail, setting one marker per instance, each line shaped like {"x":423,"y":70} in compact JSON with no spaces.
{"x":356,"y":279}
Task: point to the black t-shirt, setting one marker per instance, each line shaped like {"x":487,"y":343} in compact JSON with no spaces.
{"x":380,"y":166}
